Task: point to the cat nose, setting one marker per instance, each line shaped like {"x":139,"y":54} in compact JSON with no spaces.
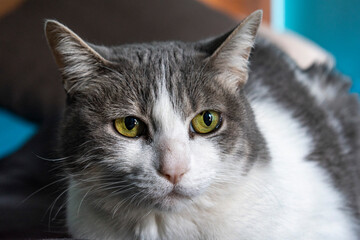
{"x":174,"y":159}
{"x":173,"y":174}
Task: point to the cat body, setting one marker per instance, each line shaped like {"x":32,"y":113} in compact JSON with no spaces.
{"x":281,"y":163}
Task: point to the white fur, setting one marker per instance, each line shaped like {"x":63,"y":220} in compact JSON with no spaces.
{"x":173,"y":133}
{"x":288,"y":198}
{"x":308,"y":206}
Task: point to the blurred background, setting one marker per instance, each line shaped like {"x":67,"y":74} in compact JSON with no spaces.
{"x":32,"y":98}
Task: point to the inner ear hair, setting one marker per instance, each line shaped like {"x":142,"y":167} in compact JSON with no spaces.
{"x":60,"y":39}
{"x":230,"y":59}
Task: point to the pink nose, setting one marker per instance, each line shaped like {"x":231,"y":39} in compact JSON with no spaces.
{"x":173,"y":175}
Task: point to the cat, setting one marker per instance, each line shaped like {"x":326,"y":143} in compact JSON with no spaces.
{"x":224,"y":138}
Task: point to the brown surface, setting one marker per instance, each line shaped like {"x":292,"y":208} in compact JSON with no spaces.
{"x":239,"y":9}
{"x":235,"y":8}
{"x":6,"y":6}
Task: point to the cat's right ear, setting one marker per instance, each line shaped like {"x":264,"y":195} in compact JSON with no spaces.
{"x":76,"y":59}
{"x":229,"y":53}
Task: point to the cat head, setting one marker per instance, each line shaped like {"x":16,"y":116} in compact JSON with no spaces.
{"x":158,"y":125}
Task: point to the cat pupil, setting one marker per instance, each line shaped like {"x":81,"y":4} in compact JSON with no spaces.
{"x":207,"y":118}
{"x":130,"y":122}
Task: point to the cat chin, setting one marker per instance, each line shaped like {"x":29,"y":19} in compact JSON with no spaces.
{"x":173,"y":202}
{"x":179,"y":197}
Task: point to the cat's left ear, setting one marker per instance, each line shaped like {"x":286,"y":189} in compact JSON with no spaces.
{"x":77,"y":60}
{"x":230,"y":59}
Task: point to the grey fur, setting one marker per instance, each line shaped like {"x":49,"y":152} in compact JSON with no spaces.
{"x":124,"y":80}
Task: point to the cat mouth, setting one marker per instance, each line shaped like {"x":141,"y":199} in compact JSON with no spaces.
{"x":175,"y":194}
{"x":173,"y":201}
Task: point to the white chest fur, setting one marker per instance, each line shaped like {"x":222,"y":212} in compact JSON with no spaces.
{"x":299,"y":201}
{"x":290,"y":198}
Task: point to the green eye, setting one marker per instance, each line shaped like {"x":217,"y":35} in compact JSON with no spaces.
{"x":206,"y":121}
{"x":129,"y":126}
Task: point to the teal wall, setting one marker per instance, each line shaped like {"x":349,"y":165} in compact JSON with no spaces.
{"x":14,"y":132}
{"x":333,"y":24}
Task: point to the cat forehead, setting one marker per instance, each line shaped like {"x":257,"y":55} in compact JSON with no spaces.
{"x":149,"y":70}
{"x":146,"y":64}
{"x":157,"y":83}
{"x":154,"y":76}
{"x":156,"y":52}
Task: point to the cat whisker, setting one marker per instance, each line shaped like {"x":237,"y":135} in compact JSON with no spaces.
{"x":58,"y":211}
{"x":78,"y":211}
{"x":51,"y":207}
{"x":120,"y":191}
{"x":146,"y":214}
{"x":117,"y":186}
{"x":42,"y":188}
{"x":116,"y":207}
{"x":52,"y":159}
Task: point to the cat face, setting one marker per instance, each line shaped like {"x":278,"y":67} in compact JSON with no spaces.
{"x":156,"y":126}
